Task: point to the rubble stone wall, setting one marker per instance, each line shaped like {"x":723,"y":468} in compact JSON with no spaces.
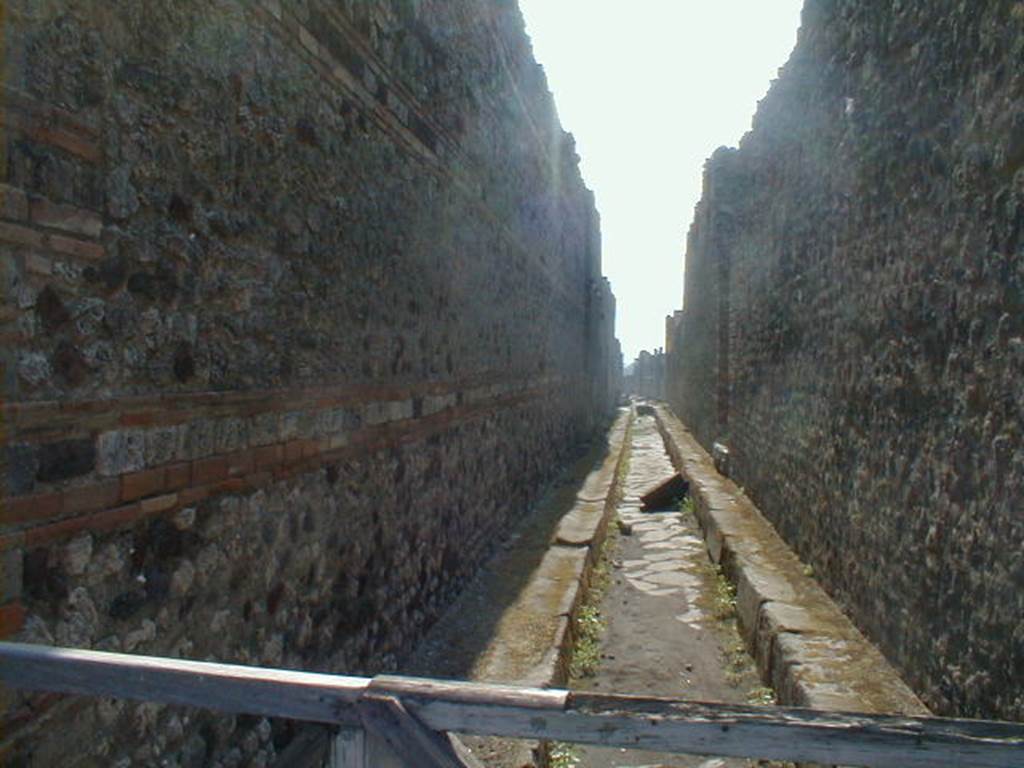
{"x":302,"y":307}
{"x":853,"y":329}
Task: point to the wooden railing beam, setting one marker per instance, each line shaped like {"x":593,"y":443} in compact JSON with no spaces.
{"x":648,"y":723}
{"x":414,"y":744}
{"x":233,"y":688}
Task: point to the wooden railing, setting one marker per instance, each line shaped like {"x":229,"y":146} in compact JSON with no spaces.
{"x":392,"y":722}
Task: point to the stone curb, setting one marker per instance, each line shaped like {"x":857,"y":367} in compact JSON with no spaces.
{"x":586,"y":523}
{"x":583,"y":526}
{"x":805,"y":647}
{"x":563,"y":575}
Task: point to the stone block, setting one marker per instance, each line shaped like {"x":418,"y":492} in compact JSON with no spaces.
{"x":265,"y":429}
{"x":163,"y":445}
{"x":65,"y":459}
{"x":582,"y":525}
{"x":230,"y":435}
{"x":200,"y":439}
{"x":22,"y":466}
{"x":288,"y":426}
{"x":120,"y":451}
{"x":435,"y":403}
{"x":34,"y":368}
{"x":77,"y":553}
{"x":598,"y":483}
{"x":397,"y":410}
{"x":757,"y":583}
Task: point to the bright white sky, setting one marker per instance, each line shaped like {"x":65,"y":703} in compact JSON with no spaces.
{"x":650,"y":88}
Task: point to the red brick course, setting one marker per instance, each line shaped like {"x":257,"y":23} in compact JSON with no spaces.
{"x":210,"y":470}
{"x":66,"y":217}
{"x":26,"y":509}
{"x":98,"y":522}
{"x":19,"y":235}
{"x":79,"y":248}
{"x":268,"y":455}
{"x":12,"y":618}
{"x":159,"y":504}
{"x":184,"y":484}
{"x":241,"y":463}
{"x":89,"y":498}
{"x":145,"y":483}
{"x":178,"y":476}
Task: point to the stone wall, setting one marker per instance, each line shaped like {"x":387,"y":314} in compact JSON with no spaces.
{"x":302,"y":306}
{"x":853,"y":329}
{"x":646,"y":377}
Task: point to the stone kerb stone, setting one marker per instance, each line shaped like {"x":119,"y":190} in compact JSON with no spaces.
{"x":805,"y":647}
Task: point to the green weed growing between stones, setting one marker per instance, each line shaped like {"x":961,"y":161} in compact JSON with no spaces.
{"x":737,"y":662}
{"x":623,"y":469}
{"x":761,"y":695}
{"x":686,"y":506}
{"x":562,"y":755}
{"x":724,"y":604}
{"x":587,"y":650}
{"x":588,"y":624}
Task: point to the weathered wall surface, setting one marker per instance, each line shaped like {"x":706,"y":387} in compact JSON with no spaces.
{"x":647,"y":375}
{"x":302,"y":305}
{"x":853,"y":329}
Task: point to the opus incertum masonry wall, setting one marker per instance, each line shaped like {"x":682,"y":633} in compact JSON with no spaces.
{"x":302,"y":306}
{"x":853,"y":329}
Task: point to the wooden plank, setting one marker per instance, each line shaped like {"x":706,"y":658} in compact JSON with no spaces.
{"x":663,"y":725}
{"x":225,"y":687}
{"x":312,"y":746}
{"x":464,"y":753}
{"x":415,"y":745}
{"x":349,"y":749}
{"x":768,"y":733}
{"x":470,"y":694}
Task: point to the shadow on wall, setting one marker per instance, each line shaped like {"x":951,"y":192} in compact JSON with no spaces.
{"x":305,"y":309}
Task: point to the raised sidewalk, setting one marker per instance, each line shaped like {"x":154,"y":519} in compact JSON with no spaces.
{"x":805,"y":647}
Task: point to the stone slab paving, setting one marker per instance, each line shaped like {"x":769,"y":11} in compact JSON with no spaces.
{"x":661,"y":638}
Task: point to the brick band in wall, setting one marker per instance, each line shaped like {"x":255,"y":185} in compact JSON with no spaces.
{"x":155,"y":469}
{"x":302,"y":308}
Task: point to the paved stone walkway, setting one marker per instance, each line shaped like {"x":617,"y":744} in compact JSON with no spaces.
{"x":662,"y":637}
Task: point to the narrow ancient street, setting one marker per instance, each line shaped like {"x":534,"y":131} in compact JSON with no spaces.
{"x":345,"y":339}
{"x":669,"y":625}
